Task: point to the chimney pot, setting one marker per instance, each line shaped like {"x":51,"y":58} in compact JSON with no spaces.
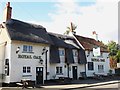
{"x":8,"y":4}
{"x":7,"y":12}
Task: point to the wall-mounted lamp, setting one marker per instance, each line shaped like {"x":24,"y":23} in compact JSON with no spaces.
{"x":41,"y":61}
{"x":88,"y":55}
{"x":1,"y":26}
{"x":18,"y":49}
{"x":65,"y":66}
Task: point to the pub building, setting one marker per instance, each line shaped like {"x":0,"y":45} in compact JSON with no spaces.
{"x":28,"y":51}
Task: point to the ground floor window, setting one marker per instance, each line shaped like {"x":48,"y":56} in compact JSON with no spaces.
{"x":26,"y":69}
{"x":90,"y":66}
{"x":100,"y":68}
{"x":59,"y":70}
{"x":7,"y":67}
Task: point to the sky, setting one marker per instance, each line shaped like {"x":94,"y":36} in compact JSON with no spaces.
{"x":55,"y":15}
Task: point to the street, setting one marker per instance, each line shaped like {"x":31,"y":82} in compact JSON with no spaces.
{"x":113,"y":86}
{"x":103,"y":87}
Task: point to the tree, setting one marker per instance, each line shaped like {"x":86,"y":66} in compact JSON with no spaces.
{"x":117,"y":57}
{"x":72,"y":29}
{"x":114,"y":53}
{"x":113,"y":48}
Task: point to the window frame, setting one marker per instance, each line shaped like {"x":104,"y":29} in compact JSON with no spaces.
{"x":59,"y":70}
{"x":61,"y":52}
{"x":100,"y":68}
{"x":75,"y":53}
{"x":26,"y":69}
{"x":90,"y":66}
{"x":27,"y":49}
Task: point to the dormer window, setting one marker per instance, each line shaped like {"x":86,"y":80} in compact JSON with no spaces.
{"x":61,"y":52}
{"x":75,"y":53}
{"x":27,"y":48}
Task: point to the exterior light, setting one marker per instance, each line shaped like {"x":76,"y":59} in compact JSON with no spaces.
{"x":41,"y":61}
{"x":18,"y":49}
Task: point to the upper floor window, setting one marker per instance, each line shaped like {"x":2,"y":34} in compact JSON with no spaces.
{"x":75,"y":53}
{"x":61,"y":52}
{"x":27,"y":48}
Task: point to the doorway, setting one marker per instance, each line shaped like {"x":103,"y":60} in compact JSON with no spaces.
{"x":74,"y":69}
{"x":39,"y":75}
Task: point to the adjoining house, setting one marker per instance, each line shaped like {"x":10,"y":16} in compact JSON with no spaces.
{"x":67,"y":58}
{"x":95,"y":64}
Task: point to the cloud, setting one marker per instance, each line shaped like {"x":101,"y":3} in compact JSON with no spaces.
{"x":100,"y":17}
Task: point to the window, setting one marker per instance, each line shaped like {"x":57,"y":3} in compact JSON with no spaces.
{"x":26,"y":69}
{"x":30,"y":49}
{"x":90,"y":66}
{"x":100,"y":68}
{"x":58,"y":70}
{"x":27,"y":48}
{"x":75,"y":53}
{"x":61,"y":52}
{"x":7,"y":67}
{"x":24,"y":48}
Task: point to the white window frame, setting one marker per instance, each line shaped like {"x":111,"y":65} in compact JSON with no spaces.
{"x":26,"y":69}
{"x":27,"y":48}
{"x":75,"y":53}
{"x":59,"y":70}
{"x":90,"y":68}
{"x":100,"y":68}
{"x":61,"y":52}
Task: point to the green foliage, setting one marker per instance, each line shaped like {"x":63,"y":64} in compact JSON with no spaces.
{"x":112,"y":47}
{"x":117,"y":57}
{"x":72,"y":28}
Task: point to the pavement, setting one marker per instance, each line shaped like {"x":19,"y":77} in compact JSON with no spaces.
{"x":73,"y":84}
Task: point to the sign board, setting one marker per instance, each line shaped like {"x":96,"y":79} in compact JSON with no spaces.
{"x":96,"y":52}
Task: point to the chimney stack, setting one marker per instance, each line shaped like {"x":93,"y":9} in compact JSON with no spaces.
{"x":7,"y":12}
{"x":95,"y":35}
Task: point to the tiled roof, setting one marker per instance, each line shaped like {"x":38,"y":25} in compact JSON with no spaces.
{"x":89,"y":43}
{"x":23,"y":31}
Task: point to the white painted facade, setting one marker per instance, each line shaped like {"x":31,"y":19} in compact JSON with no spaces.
{"x":104,"y":63}
{"x":80,"y":67}
{"x":16,"y":64}
{"x":118,"y":65}
{"x":8,"y":51}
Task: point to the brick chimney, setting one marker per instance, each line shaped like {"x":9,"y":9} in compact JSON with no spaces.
{"x":7,"y":12}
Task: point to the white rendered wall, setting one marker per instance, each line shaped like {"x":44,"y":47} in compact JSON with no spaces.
{"x":16,"y":72}
{"x":106,"y":64}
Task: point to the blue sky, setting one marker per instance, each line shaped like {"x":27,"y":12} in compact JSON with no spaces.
{"x":38,"y":11}
{"x":55,"y":16}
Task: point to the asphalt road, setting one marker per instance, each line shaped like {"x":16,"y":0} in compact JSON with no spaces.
{"x":115,"y":86}
{"x":103,"y":87}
